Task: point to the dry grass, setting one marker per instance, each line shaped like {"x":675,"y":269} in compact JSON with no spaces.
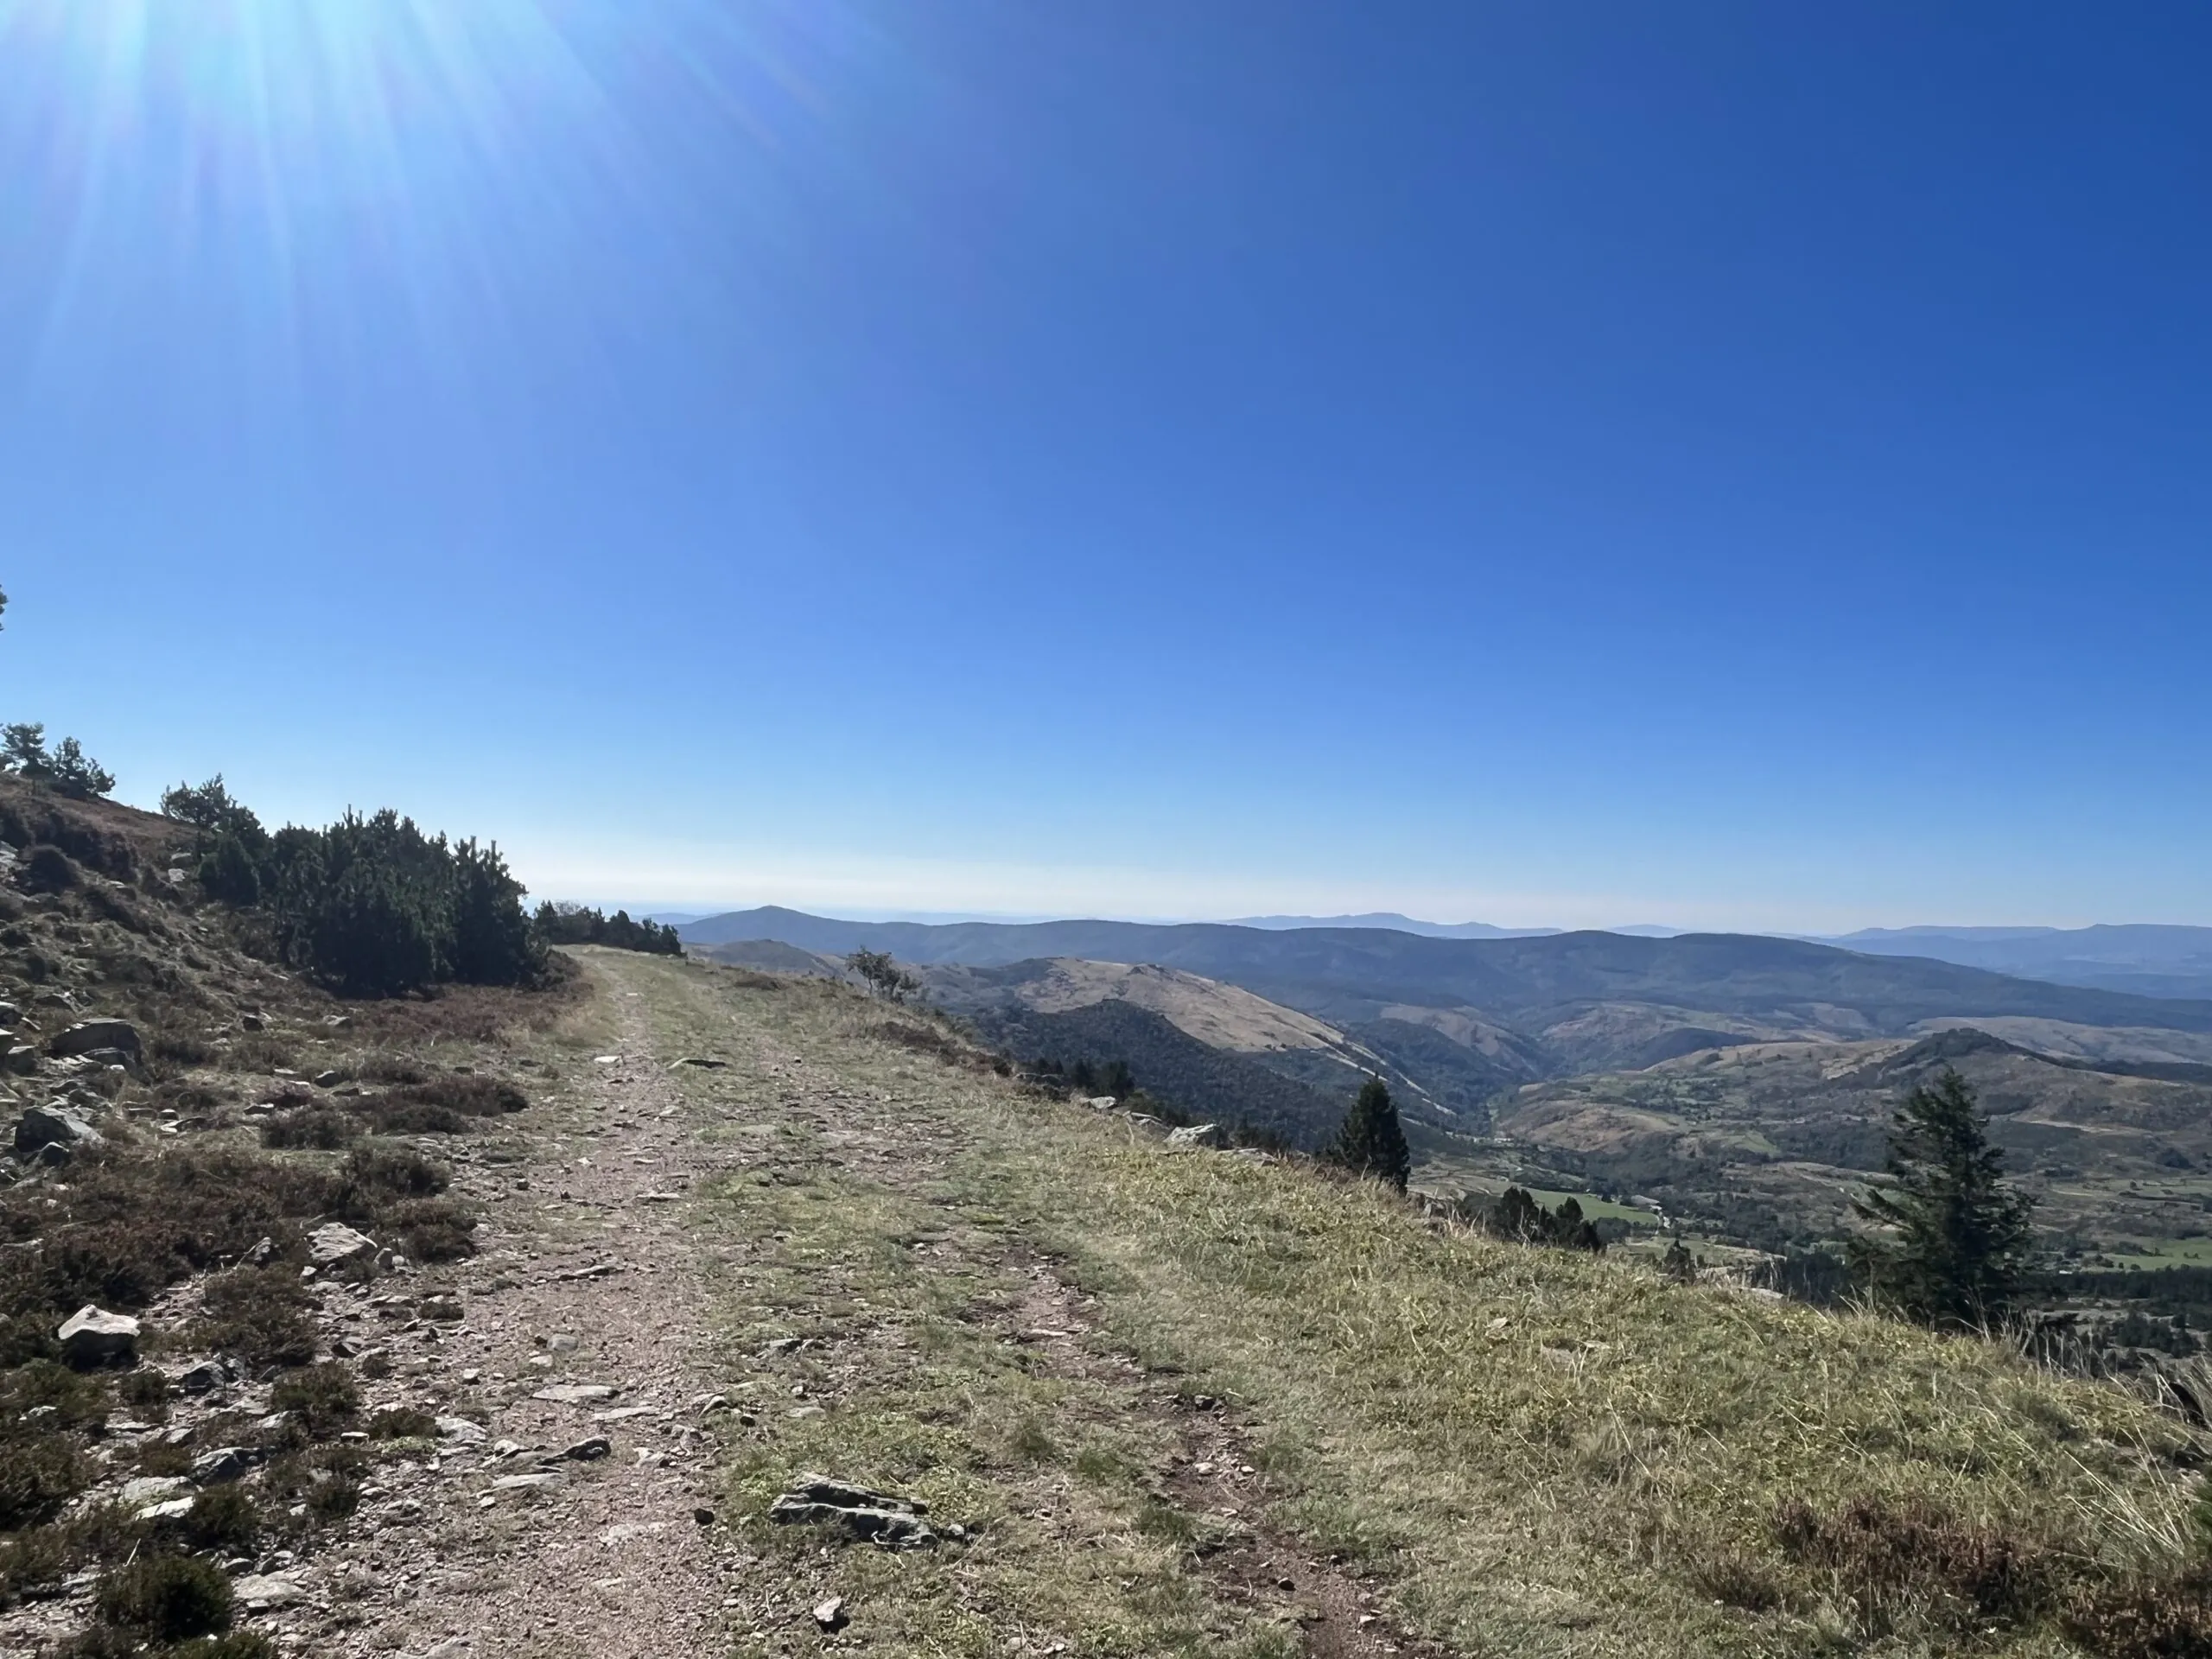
{"x":1543,"y":1453}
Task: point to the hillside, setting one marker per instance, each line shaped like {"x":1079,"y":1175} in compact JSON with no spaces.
{"x":1457,"y":1021}
{"x":676,"y":1281}
{"x":1190,"y":1402}
{"x":1768,"y":1141}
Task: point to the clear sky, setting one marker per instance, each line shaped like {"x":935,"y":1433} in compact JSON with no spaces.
{"x":1729,"y":465}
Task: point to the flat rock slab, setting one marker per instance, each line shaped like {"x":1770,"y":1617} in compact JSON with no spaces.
{"x":268,"y":1591}
{"x":576,"y":1394}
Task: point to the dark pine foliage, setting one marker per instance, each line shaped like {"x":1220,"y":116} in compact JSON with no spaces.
{"x":67,"y":770}
{"x":1518,"y":1216}
{"x":1955,"y":1241}
{"x":371,"y":906}
{"x":1372,"y":1142}
{"x":582,"y":924}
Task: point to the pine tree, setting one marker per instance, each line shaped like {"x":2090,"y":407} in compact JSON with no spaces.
{"x":1371,"y":1141}
{"x":1955,"y":1238}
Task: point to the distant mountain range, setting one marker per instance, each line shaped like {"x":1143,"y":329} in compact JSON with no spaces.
{"x":1457,"y":1020}
{"x":2144,"y":959}
{"x":1393,"y":921}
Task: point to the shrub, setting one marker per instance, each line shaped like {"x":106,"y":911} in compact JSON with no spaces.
{"x":179,"y":1048}
{"x":323,"y":1397}
{"x":223,"y":1518}
{"x":1889,"y":1558}
{"x":373,"y":1177}
{"x":441,"y":1106}
{"x":145,"y":1390}
{"x":388,"y":1115}
{"x":229,"y":872}
{"x":75,"y":1400}
{"x":258,"y":1315}
{"x":2147,"y":1617}
{"x":323,"y":1128}
{"x":133,"y":1227}
{"x":168,"y":1596}
{"x":37,"y":1477}
{"x":472,"y":1096}
{"x":49,"y":869}
{"x":1517,"y":1216}
{"x":431,"y":1229}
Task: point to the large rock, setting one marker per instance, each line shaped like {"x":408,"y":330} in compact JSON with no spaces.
{"x":93,"y":1336}
{"x":1196,"y":1134}
{"x":226,"y":1463}
{"x":876,"y":1517}
{"x":53,"y":1125}
{"x":88,"y":1035}
{"x":335,"y":1242}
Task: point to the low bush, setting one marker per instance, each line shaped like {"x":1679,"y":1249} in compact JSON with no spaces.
{"x":431,"y":1229}
{"x":1915,"y":1558}
{"x":65,"y":1398}
{"x":324,"y":1398}
{"x":320,"y":1129}
{"x":258,"y":1315}
{"x":134,"y":1226}
{"x":441,"y":1106}
{"x":180,"y":1048}
{"x":223,"y":1518}
{"x":168,"y":1596}
{"x":145,"y":1390}
{"x":468,"y":1095}
{"x":2147,"y":1617}
{"x":387,"y":1115}
{"x":373,"y":1177}
{"x":38,"y":1475}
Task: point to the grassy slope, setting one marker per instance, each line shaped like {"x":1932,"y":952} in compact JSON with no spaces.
{"x":1542,"y":1453}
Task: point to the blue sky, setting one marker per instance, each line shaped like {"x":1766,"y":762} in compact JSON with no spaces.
{"x":1730,"y":465}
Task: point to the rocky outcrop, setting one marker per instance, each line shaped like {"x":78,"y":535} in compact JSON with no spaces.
{"x":879,"y":1517}
{"x":93,"y":1336}
{"x":53,"y":1125}
{"x":88,"y":1036}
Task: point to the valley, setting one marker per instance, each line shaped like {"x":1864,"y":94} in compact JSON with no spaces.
{"x":1743,"y":1085}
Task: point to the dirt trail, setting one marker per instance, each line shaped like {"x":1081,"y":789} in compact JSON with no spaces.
{"x":607,"y":1557}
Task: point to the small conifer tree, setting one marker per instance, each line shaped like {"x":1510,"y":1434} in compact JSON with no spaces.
{"x":1955,"y":1239}
{"x":1372,"y":1142}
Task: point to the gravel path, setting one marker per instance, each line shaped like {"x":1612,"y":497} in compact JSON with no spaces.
{"x":489,"y":1549}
